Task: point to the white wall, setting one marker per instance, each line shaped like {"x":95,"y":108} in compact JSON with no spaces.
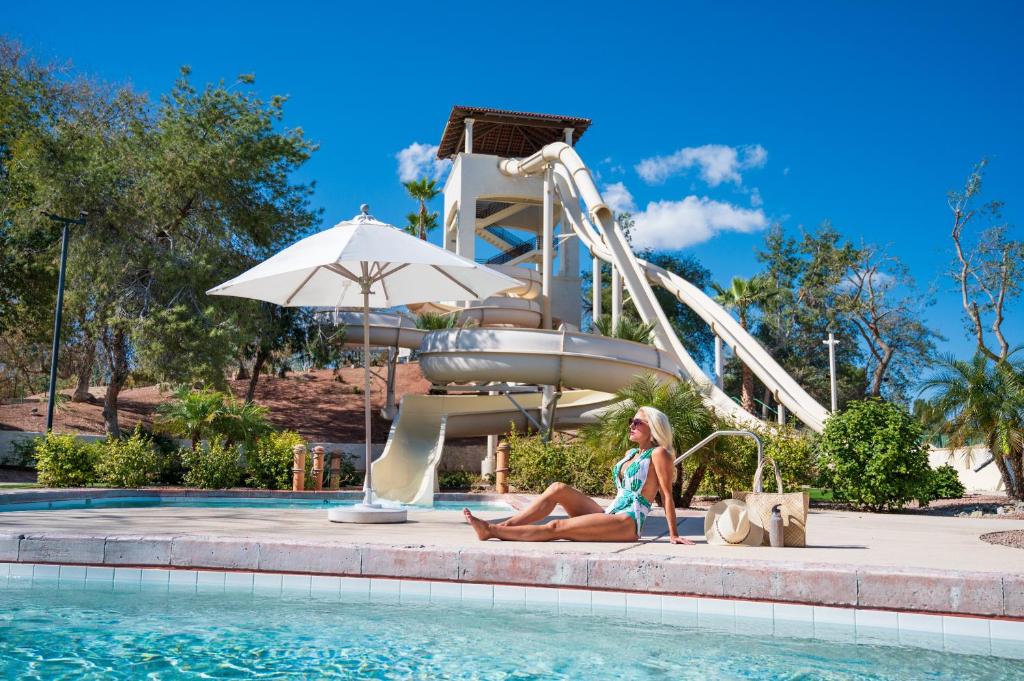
{"x":985,"y":480}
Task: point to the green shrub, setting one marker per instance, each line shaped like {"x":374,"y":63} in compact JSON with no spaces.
{"x":269,"y":462}
{"x":24,"y":452}
{"x":945,"y":483}
{"x":457,"y":480}
{"x":129,"y":462}
{"x":348,"y":476}
{"x":794,"y":452}
{"x":214,"y":467}
{"x":535,"y":464}
{"x":873,"y":454}
{"x":65,"y":461}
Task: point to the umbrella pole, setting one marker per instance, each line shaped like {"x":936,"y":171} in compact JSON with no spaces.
{"x":368,"y":484}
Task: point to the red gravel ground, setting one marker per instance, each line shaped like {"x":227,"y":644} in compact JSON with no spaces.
{"x":1011,"y":538}
{"x":320,"y":407}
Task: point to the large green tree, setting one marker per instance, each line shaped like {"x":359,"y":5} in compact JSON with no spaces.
{"x":989,"y":265}
{"x":181,"y":195}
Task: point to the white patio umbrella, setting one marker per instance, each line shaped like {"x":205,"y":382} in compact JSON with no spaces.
{"x":365,"y":262}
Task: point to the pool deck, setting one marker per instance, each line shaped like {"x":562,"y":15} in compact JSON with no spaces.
{"x":914,"y":563}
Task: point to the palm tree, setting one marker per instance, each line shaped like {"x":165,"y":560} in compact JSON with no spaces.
{"x":437,"y":321}
{"x":424,"y":191}
{"x":192,"y":414}
{"x":627,"y":329}
{"x":984,"y":401}
{"x":743,"y":295}
{"x":681,"y":402}
{"x":417,"y":225}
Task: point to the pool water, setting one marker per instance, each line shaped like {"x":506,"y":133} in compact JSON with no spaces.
{"x":58,"y":633}
{"x":233,"y":502}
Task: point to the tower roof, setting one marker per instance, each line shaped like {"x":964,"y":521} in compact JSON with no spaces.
{"x":506,"y":133}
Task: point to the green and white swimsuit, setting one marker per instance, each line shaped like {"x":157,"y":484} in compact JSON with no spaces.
{"x":628,"y":499}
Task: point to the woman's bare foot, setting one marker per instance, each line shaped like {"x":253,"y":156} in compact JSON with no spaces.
{"x":481,"y":527}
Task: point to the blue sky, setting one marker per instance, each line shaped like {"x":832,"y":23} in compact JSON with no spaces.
{"x":861,"y":113}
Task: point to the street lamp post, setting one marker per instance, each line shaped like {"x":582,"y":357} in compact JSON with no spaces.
{"x":832,"y":343}
{"x":67,"y":222}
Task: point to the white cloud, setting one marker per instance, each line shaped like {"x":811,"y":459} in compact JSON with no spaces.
{"x":670,"y":225}
{"x":420,"y":160}
{"x":717,"y":163}
{"x":755,"y":198}
{"x":618,"y":198}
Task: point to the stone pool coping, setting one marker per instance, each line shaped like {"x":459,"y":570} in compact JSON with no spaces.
{"x":931,"y":589}
{"x":998,"y":595}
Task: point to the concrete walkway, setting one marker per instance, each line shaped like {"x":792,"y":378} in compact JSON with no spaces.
{"x":919,"y":563}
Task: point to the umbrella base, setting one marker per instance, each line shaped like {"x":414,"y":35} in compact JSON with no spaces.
{"x":363,"y":514}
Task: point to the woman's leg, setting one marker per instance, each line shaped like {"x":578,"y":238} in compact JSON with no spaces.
{"x":590,"y":527}
{"x":574,"y":502}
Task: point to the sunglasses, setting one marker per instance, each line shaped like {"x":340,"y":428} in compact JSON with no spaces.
{"x":636,"y":423}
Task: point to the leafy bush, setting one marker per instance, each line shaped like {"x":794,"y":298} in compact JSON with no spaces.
{"x":945,"y":483}
{"x":794,"y":452}
{"x":348,"y":476}
{"x":65,"y":461}
{"x":873,"y":454}
{"x":216,"y":466}
{"x":269,"y":461}
{"x":535,"y":464}
{"x":457,"y":479}
{"x":24,"y":452}
{"x":129,"y":462}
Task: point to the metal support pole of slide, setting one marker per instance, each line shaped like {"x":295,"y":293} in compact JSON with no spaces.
{"x":596,"y":289}
{"x":547,"y":246}
{"x":719,"y":364}
{"x":616,"y":298}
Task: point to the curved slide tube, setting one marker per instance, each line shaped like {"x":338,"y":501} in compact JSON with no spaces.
{"x":407,"y":470}
{"x":575,"y":185}
{"x":572,"y":360}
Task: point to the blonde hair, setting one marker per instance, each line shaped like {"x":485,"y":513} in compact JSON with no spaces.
{"x":661,"y":428}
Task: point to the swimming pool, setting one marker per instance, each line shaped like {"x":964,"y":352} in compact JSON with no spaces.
{"x":86,"y":502}
{"x":106,"y":629}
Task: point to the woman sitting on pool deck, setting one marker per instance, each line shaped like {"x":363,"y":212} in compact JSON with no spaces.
{"x":644,"y":470}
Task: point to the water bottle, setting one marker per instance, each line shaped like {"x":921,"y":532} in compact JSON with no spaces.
{"x":776,"y":530}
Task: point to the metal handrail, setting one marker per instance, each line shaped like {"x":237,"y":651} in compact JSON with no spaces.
{"x":740,"y":433}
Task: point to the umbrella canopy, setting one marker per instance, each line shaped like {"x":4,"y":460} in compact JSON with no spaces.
{"x":328,"y":270}
{"x":368,"y":263}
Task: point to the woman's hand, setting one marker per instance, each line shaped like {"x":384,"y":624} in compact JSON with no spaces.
{"x":680,"y":540}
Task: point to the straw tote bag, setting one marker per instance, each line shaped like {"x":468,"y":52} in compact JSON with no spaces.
{"x":794,"y":507}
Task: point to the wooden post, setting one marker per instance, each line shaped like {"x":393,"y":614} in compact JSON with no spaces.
{"x":318,"y":468}
{"x":501,"y":468}
{"x":298,"y":468}
{"x":336,"y":471}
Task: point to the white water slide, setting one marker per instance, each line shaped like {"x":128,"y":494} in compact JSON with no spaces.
{"x":595,"y":366}
{"x":406,"y":472}
{"x":575,"y":186}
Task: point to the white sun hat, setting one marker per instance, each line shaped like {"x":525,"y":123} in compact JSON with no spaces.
{"x":729,"y":523}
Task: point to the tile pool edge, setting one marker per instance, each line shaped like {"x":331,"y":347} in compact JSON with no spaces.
{"x":924,"y":591}
{"x":954,"y":634}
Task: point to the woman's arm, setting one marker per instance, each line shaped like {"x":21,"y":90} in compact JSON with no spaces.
{"x":665,"y":468}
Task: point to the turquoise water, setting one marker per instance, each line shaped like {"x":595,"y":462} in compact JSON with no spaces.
{"x":231,"y":502}
{"x":51,"y":633}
